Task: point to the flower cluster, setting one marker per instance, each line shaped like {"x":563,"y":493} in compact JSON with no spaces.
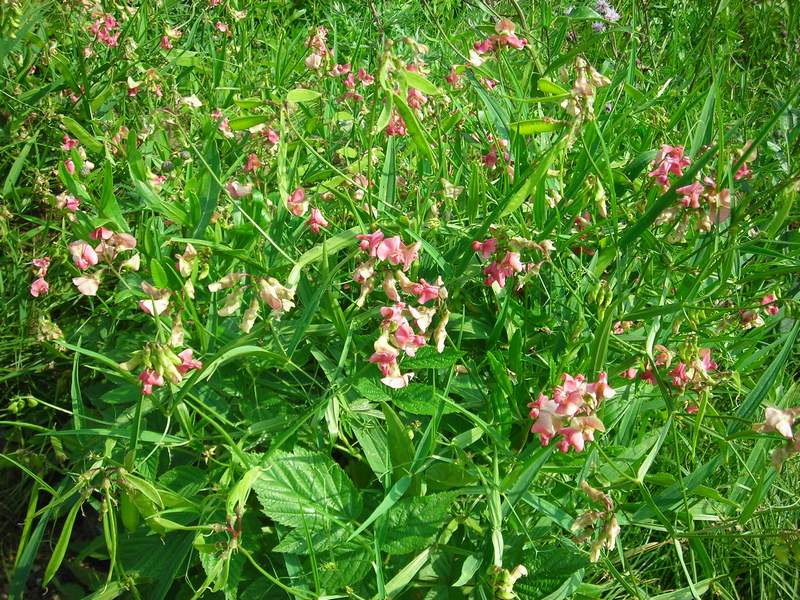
{"x":571,"y":412}
{"x":694,"y":197}
{"x":692,"y":373}
{"x":40,"y":286}
{"x":380,"y":248}
{"x":592,"y":521}
{"x":405,"y":327}
{"x":608,"y":12}
{"x":506,"y":258}
{"x":270,"y":291}
{"x":751,"y":318}
{"x":580,"y":104}
{"x":781,"y":422}
{"x":105,"y":30}
{"x":319,"y":50}
{"x":349,"y":77}
{"x":110,"y":245}
{"x":160,"y":361}
{"x":504,"y":36}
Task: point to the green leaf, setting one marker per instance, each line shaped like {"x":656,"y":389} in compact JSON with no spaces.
{"x":16,"y":168}
{"x":246,"y":122}
{"x":419,"y":82}
{"x":401,"y":450}
{"x":299,"y":95}
{"x":549,"y":87}
{"x":427,"y":358}
{"x":304,"y":489}
{"x":91,"y":143}
{"x":412,"y":523}
{"x":210,"y":190}
{"x":765,"y":382}
{"x":61,"y":545}
{"x":415,"y":129}
{"x":532,"y":126}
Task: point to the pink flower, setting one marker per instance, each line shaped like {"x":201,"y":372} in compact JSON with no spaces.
{"x":313,"y":61}
{"x":453,"y":78}
{"x":158,"y":180}
{"x":350,"y":82}
{"x":489,"y":84}
{"x":339,"y":70}
{"x":238,"y":190}
{"x":490,"y":158}
{"x":484,"y":46}
{"x":40,"y":286}
{"x":669,"y":160}
{"x":296,"y":202}
{"x":150,"y":378}
{"x":743,"y":172}
{"x":779,"y":421}
{"x":397,"y":381}
{"x":600,"y":390}
{"x":770,"y":302}
{"x":253,"y":163}
{"x":485,"y":248}
{"x":396,"y":126}
{"x":273,"y":136}
{"x":370,"y":242}
{"x":547,"y":423}
{"x":316,"y":220}
{"x":648,"y":376}
{"x":364,"y":77}
{"x":691,"y":194}
{"x":221,"y":27}
{"x":705,"y":363}
{"x":87,"y":285}
{"x":67,"y":202}
{"x":416,"y":99}
{"x":68,"y":144}
{"x":187,"y":362}
{"x":165,"y":43}
{"x":385,"y":353}
{"x":389,"y":288}
{"x":629,"y":373}
{"x":427,"y":292}
{"x":390,"y":247}
{"x":101,"y":233}
{"x":511,"y":263}
{"x":83,"y":255}
{"x":42,"y":264}
{"x":679,"y":376}
{"x":70,"y":166}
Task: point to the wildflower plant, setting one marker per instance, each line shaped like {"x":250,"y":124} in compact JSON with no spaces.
{"x":387,"y":302}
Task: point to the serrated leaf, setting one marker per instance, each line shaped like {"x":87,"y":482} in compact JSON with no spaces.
{"x":412,"y":523}
{"x":428,"y":358}
{"x":303,"y":489}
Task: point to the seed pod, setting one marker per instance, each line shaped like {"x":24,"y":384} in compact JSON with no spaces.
{"x":128,"y":512}
{"x":167,"y":166}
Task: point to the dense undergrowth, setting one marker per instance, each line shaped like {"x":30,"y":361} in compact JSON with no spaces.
{"x":399,"y":300}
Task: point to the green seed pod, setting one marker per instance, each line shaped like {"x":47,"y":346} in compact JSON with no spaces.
{"x":128,"y":512}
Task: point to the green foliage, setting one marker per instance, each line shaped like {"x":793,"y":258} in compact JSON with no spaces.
{"x":295,"y":460}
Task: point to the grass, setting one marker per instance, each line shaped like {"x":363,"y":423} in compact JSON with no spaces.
{"x":281,"y":465}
